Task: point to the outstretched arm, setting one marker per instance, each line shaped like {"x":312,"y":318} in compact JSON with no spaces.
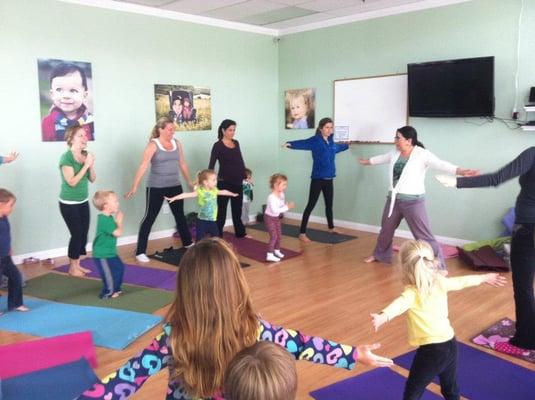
{"x":147,"y":156}
{"x":227,"y":193}
{"x":12,"y":156}
{"x":181,"y":196}
{"x":519,"y":166}
{"x":319,"y":350}
{"x":305,"y":144}
{"x":129,"y":378}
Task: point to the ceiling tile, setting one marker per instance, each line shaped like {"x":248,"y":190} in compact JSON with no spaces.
{"x":200,"y":6}
{"x":282,"y":14}
{"x":242,"y":10}
{"x":370,"y":6}
{"x":308,"y":19}
{"x":290,"y":2}
{"x":150,"y":3}
{"x":326,"y":5}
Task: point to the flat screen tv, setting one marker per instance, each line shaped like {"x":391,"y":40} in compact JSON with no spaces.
{"x":454,"y":88}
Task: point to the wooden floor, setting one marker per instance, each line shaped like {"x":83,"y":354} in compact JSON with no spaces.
{"x":328,"y":292}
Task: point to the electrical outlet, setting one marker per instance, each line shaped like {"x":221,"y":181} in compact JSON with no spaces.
{"x":166,"y":208}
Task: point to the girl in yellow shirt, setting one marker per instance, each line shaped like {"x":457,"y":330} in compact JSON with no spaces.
{"x":426,"y":301}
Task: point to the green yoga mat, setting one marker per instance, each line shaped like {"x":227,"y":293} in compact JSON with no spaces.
{"x":83,"y":291}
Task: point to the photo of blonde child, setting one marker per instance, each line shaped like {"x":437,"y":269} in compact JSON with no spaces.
{"x":299,"y":105}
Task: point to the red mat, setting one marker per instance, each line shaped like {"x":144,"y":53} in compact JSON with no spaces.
{"x":34,"y":355}
{"x":255,"y":249}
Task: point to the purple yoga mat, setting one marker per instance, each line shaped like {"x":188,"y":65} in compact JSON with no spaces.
{"x":135,"y":275}
{"x":484,"y":376}
{"x":255,"y":249}
{"x":377,"y":384}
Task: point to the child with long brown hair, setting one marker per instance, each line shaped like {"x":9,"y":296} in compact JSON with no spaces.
{"x":425,"y":298}
{"x":210,"y":320}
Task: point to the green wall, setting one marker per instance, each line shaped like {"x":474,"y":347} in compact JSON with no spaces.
{"x":129,"y":54}
{"x":385,"y":46}
{"x":248,"y":74}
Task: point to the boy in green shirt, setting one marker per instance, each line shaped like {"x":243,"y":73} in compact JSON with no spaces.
{"x":110,"y":266}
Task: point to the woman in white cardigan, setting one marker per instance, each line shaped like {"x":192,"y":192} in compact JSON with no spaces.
{"x":406,"y":197}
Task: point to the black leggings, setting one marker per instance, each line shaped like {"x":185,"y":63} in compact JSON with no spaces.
{"x":76,"y":216}
{"x":154,"y":201}
{"x":317,"y":186}
{"x":523,"y":271}
{"x":235,"y":206}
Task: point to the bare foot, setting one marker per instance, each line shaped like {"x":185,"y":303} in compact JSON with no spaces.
{"x":304,"y":238}
{"x":335,"y":231}
{"x":84,"y":270}
{"x":116,"y":294}
{"x":247,"y":236}
{"x":22,"y":309}
{"x":370,"y":259}
{"x":76,"y":272}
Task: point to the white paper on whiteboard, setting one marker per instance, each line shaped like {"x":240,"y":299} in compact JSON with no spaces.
{"x":341,"y":133}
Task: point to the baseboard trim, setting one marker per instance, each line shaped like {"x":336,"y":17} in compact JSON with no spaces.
{"x":375,"y":229}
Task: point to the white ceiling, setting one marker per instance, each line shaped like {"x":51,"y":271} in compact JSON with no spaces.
{"x":277,"y":17}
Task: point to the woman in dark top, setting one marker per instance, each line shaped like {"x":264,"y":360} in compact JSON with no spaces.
{"x":522,"y":245}
{"x":230,"y":176}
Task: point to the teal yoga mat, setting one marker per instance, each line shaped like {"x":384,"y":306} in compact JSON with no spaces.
{"x":111,"y":328}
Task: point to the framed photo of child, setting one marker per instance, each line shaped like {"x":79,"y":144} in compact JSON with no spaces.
{"x":299,"y":105}
{"x":189,"y":107}
{"x":65,"y":93}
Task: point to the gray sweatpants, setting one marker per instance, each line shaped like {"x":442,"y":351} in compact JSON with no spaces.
{"x":415,"y":214}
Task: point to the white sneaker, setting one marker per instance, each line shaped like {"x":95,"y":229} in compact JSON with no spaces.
{"x":142,"y":258}
{"x":278,"y":254}
{"x":272,"y":257}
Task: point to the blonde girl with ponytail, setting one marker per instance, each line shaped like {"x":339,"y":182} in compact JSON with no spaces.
{"x":425,"y":299}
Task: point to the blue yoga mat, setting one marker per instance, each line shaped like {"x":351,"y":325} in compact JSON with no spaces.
{"x":484,"y":376}
{"x":377,"y":384}
{"x":111,"y":328}
{"x":63,"y":382}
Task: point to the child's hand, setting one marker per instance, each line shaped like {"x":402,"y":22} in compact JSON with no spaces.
{"x":291,"y":205}
{"x":89,"y":159}
{"x":364,"y":161}
{"x":366,"y":357}
{"x":289,"y":125}
{"x":12,"y":156}
{"x":119,"y":216}
{"x":447,"y":180}
{"x":170,"y":199}
{"x":494,"y":279}
{"x":234,"y":194}
{"x":378,"y":320}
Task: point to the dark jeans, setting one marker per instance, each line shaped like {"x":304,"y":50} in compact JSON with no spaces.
{"x":235,"y":206}
{"x":432,"y":360}
{"x":203,"y":227}
{"x":14,"y":282}
{"x":318,"y":186}
{"x":76,"y":217}
{"x":523,"y":271}
{"x":111,"y":272}
{"x":154,"y":198}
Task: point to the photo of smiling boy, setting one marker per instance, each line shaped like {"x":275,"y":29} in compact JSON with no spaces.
{"x":68,"y":99}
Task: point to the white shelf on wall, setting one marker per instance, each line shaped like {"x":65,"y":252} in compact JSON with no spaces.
{"x":528,"y":109}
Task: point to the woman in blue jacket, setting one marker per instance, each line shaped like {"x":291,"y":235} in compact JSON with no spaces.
{"x":323,"y":151}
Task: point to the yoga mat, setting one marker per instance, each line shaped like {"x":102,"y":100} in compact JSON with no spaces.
{"x":173,"y":256}
{"x":255,"y":249}
{"x":33,"y":355}
{"x":82,"y":291}
{"x":134,"y":274}
{"x":483,"y":376}
{"x":64,"y":382}
{"x":111,"y":328}
{"x":315,"y":235}
{"x":377,"y":384}
{"x":502,"y":331}
{"x":447,"y":251}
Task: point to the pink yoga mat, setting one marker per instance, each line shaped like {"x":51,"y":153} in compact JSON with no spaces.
{"x":255,"y":249}
{"x":448,"y":251}
{"x":34,"y":355}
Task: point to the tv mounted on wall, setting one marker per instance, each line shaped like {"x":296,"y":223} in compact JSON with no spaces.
{"x":453,"y":88}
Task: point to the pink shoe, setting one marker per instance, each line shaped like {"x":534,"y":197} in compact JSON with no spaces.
{"x":510,"y":349}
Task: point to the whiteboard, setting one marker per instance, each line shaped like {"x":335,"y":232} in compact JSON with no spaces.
{"x":372,"y":107}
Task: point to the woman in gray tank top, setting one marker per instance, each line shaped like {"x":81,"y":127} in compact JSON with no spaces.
{"x":166,"y":157}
